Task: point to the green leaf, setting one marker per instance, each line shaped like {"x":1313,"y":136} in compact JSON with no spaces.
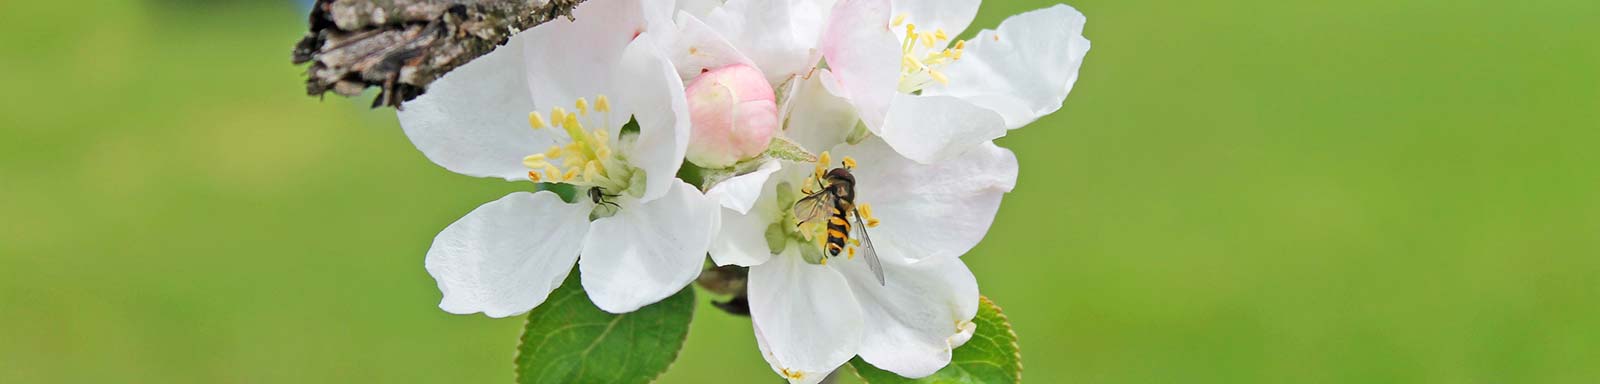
{"x":569,"y":340}
{"x":990,"y":357}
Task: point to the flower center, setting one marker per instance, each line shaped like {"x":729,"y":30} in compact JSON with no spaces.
{"x":587,"y":160}
{"x":819,"y":217}
{"x":919,"y":61}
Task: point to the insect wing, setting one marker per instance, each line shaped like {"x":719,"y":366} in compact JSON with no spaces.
{"x":867,"y":251}
{"x":813,"y":208}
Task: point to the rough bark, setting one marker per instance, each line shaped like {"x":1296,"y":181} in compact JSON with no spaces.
{"x":401,"y":46}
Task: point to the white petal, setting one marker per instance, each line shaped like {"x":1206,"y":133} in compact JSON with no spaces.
{"x":740,"y":192}
{"x":474,"y":120}
{"x":780,"y":36}
{"x":817,"y":119}
{"x":806,"y":314}
{"x":741,"y":238}
{"x":933,"y":128}
{"x":1025,"y":70}
{"x":917,"y":316}
{"x":654,"y":95}
{"x":568,"y":59}
{"x":863,"y":57}
{"x":506,"y":256}
{"x":766,"y":353}
{"x":647,"y":251}
{"x":698,"y":8}
{"x":697,"y":48}
{"x":952,"y":16}
{"x":930,"y":210}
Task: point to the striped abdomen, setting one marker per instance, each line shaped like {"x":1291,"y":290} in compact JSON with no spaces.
{"x":839,"y":225}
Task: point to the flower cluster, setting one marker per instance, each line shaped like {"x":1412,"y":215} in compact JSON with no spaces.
{"x":899,"y":114}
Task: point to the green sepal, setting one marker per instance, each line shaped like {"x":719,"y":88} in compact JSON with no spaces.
{"x":782,"y":148}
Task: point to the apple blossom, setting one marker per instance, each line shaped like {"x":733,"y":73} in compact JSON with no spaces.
{"x":641,"y":232}
{"x":931,"y":97}
{"x":812,"y":313}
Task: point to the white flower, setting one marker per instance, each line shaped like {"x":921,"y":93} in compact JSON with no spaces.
{"x":931,"y":98}
{"x":641,"y":232}
{"x":812,"y":315}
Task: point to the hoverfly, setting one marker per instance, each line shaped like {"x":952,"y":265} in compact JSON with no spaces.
{"x":835,"y":202}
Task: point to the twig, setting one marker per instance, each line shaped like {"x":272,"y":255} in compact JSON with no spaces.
{"x":401,"y":46}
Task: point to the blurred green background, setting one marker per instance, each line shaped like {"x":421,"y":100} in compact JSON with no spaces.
{"x":1236,"y":191}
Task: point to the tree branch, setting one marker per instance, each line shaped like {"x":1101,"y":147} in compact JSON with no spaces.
{"x":401,"y":46}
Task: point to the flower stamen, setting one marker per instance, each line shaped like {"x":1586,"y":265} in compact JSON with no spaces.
{"x":587,"y":160}
{"x":919,"y":68}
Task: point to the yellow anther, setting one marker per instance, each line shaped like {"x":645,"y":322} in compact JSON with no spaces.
{"x":824,"y":261}
{"x":824,"y":158}
{"x":927,"y":40}
{"x":534,"y":161}
{"x":583,"y":106}
{"x":849,"y":162}
{"x":554,"y":152}
{"x":536,"y":120}
{"x":911,"y":30}
{"x":558,"y":115}
{"x":602,"y":104}
{"x":852,"y":253}
{"x":898,"y":19}
{"x":571,"y":122}
{"x":939,"y":77}
{"x":866,"y":209}
{"x":572,"y":173}
{"x":939,"y":34}
{"x":960,"y":45}
{"x":552,"y":173}
{"x":872,"y":223}
{"x":533,"y":175}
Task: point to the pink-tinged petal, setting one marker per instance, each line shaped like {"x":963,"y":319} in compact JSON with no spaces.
{"x":647,"y":251}
{"x":506,"y":256}
{"x":930,"y":211}
{"x":810,"y":322}
{"x":919,"y":314}
{"x":863,"y":57}
{"x":933,"y":128}
{"x":474,"y":120}
{"x":1024,"y":70}
{"x":733,"y":113}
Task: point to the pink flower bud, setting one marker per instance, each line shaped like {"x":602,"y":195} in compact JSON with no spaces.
{"x":734,"y":115}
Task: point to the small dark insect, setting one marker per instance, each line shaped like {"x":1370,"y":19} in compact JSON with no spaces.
{"x":834,"y":201}
{"x":600,"y":197}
